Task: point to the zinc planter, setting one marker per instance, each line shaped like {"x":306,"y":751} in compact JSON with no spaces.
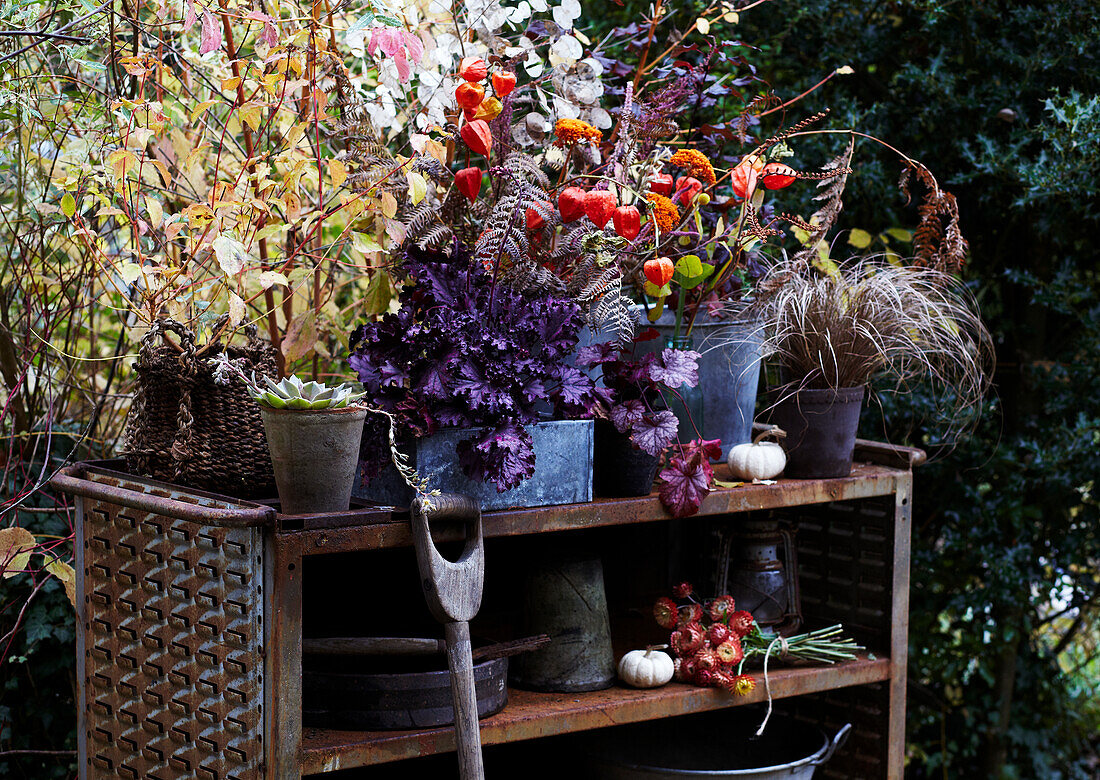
{"x":563,"y":469}
{"x":314,"y":454}
{"x":821,"y":430}
{"x":729,"y":372}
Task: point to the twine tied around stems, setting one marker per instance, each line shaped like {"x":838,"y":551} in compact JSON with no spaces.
{"x":783,"y":647}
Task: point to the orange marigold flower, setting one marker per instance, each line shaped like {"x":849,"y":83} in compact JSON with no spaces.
{"x":571,"y":131}
{"x":665,"y":213}
{"x":695,"y":163}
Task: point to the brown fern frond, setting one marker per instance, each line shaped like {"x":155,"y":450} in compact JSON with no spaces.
{"x":796,"y":221}
{"x":825,"y":217}
{"x":752,"y":226}
{"x":786,"y":133}
{"x":823,"y":174}
{"x":938,"y":241}
{"x":754,"y":106}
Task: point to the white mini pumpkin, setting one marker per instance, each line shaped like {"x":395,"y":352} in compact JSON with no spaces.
{"x":760,"y":459}
{"x":649,"y":668}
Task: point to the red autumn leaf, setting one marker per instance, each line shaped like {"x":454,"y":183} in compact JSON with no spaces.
{"x":469,"y":95}
{"x":571,"y":204}
{"x":473,"y":69}
{"x":503,"y":83}
{"x":211,"y":33}
{"x":627,"y":221}
{"x":711,"y":449}
{"x":598,"y":205}
{"x":477,"y":136}
{"x":468,"y":181}
{"x":685,"y":485}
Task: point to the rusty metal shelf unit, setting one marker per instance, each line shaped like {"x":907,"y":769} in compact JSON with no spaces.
{"x":190,"y":618}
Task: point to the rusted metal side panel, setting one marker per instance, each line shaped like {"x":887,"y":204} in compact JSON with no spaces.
{"x":899,"y":636}
{"x":283,"y":631}
{"x":531,"y":715}
{"x":172,"y":660}
{"x":83,"y":625}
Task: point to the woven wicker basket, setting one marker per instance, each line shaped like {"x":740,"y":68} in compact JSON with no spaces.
{"x":184,"y":428}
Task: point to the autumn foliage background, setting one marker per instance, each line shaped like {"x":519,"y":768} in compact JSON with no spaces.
{"x":204,"y":160}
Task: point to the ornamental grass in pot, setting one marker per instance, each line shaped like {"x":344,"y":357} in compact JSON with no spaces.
{"x":832,"y":334}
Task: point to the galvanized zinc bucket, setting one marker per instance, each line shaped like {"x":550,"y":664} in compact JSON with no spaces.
{"x":729,"y":371}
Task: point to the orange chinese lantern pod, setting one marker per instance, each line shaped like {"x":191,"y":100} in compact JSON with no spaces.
{"x":571,"y":204}
{"x":504,"y":82}
{"x":473,"y":69}
{"x":469,"y":95}
{"x":489,"y":110}
{"x":535,"y":222}
{"x":627,"y":221}
{"x":744,"y":176}
{"x":687,"y":188}
{"x":662,"y":184}
{"x":659,"y":271}
{"x":777,"y":175}
{"x":598,"y":206}
{"x":477,"y":136}
{"x":468,"y":181}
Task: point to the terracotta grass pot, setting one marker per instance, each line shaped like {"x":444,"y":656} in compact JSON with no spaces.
{"x":821,"y":430}
{"x":315,"y":454}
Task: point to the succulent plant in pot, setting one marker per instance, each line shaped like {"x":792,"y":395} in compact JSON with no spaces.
{"x":313,"y":433}
{"x":832,"y":334}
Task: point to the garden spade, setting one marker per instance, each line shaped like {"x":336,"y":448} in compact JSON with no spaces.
{"x":453,"y":592}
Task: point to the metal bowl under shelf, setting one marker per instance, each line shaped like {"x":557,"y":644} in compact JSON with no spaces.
{"x":721,"y":744}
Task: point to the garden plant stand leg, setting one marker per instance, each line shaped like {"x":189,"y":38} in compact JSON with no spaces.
{"x":453,"y":592}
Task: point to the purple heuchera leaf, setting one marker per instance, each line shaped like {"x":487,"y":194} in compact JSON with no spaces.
{"x":442,"y":360}
{"x":676,"y":367}
{"x":626,"y":415}
{"x":502,"y":455}
{"x":653,"y":433}
{"x":685,"y":485}
{"x":575,"y":389}
{"x":597,"y":354}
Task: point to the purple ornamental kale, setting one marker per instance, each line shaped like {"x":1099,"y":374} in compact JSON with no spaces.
{"x":463,"y":352}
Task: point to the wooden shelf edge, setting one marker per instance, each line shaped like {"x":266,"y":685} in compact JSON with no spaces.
{"x":865,"y":481}
{"x":532,"y":715}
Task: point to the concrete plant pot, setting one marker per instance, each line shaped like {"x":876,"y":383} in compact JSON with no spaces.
{"x":315,"y":454}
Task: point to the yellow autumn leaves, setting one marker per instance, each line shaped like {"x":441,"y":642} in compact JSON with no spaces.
{"x":17,"y":545}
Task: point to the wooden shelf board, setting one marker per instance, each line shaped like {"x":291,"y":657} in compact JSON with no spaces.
{"x":361,"y":530}
{"x":531,"y":715}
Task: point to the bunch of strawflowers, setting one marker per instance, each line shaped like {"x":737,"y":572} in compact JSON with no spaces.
{"x":711,"y":641}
